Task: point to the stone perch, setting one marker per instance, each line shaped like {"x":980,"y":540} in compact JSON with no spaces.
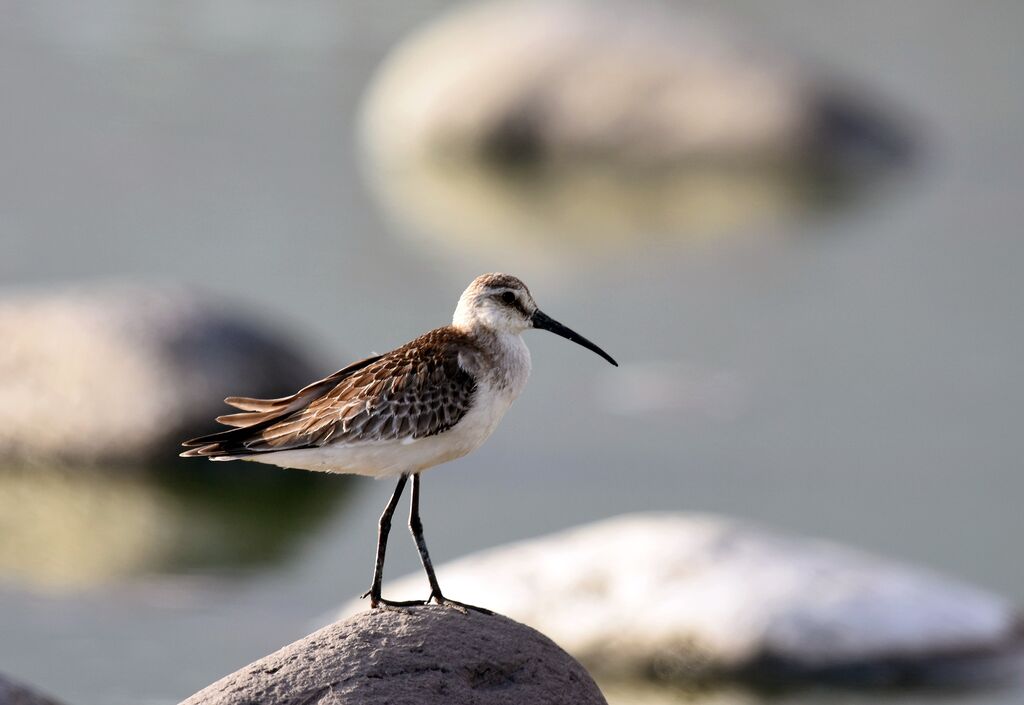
{"x":418,"y":656}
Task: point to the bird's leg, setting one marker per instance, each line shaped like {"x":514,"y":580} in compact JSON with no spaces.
{"x":383,"y":529}
{"x":416,"y":527}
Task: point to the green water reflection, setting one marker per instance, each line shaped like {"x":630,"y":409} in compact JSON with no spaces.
{"x":67,"y":528}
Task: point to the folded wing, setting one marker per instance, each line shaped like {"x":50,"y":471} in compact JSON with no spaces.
{"x":413,"y":392}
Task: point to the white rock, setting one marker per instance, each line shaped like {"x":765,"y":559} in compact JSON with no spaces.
{"x":699,"y":595}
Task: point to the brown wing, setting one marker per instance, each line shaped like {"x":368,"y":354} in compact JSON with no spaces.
{"x":415,"y":391}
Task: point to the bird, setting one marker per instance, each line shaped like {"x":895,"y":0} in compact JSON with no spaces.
{"x":432,"y":400}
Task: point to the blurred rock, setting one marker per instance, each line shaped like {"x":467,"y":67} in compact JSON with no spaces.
{"x":634,"y":82}
{"x":671,"y":120}
{"x":704,"y":598}
{"x":123,"y":373}
{"x":422,"y":656}
{"x":65,"y":529}
{"x":15,"y":694}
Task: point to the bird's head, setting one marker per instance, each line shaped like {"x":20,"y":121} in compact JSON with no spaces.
{"x":501,"y":303}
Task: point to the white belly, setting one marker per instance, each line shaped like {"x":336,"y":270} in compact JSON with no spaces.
{"x":390,"y":458}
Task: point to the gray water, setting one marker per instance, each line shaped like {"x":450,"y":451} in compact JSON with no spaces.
{"x":858,"y":373}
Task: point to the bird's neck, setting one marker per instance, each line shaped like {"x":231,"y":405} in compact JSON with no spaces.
{"x":508,"y":356}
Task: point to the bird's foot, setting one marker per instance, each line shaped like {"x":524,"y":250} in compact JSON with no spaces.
{"x":437,"y":598}
{"x":378,"y":602}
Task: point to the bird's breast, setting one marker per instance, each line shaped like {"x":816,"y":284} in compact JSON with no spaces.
{"x":498,"y":383}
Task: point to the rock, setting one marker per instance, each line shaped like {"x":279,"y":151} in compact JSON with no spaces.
{"x":700,"y":597}
{"x":640,"y":83}
{"x":121,"y":373}
{"x":14,"y":694}
{"x":604,"y":121}
{"x":420,"y":656}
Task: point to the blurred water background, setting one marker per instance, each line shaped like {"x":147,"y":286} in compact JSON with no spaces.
{"x":847,"y":371}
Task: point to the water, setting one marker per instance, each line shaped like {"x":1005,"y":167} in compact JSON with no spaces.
{"x":858,"y":373}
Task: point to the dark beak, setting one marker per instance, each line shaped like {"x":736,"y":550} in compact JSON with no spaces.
{"x":545,"y":322}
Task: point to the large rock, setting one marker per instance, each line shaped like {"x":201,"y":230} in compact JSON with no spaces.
{"x":567,"y":121}
{"x":15,"y":694}
{"x":701,"y":597}
{"x":636,"y":82}
{"x":122,"y":373}
{"x":419,"y":656}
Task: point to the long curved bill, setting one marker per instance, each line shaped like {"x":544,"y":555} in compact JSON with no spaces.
{"x":545,"y":322}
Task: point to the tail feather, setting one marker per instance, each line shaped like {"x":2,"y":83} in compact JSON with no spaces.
{"x":241,"y":420}
{"x":251,"y":404}
{"x":258,"y":415}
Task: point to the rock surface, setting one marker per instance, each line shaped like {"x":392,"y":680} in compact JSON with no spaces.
{"x":419,"y":656}
{"x":699,"y":597}
{"x":122,"y":373}
{"x":14,"y":694}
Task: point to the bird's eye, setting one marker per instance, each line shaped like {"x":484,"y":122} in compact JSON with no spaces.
{"x":508,"y":297}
